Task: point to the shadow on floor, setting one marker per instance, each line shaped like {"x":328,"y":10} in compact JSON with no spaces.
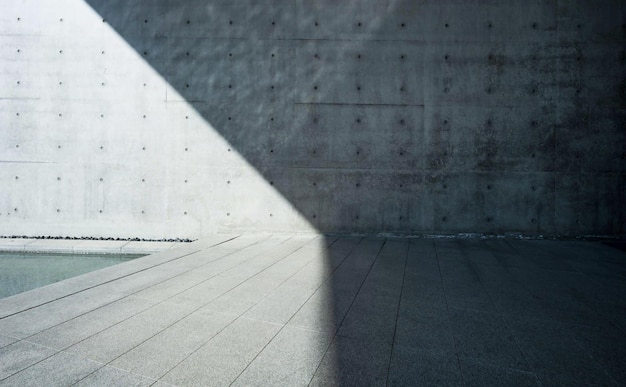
{"x":329,"y":311}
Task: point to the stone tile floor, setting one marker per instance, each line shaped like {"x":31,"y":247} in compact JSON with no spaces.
{"x":313,"y":310}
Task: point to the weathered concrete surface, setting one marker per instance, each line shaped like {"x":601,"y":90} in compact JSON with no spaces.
{"x":297,"y":311}
{"x":177,"y":119}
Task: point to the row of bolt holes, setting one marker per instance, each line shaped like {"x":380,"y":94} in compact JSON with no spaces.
{"x":100,"y":211}
{"x":143,"y":212}
{"x":358,"y":24}
{"x":446,"y":57}
{"x":534,"y":25}
{"x":101,"y":84}
{"x":314,"y":216}
{"x":489,"y":90}
{"x":357,"y":185}
{"x":358,"y":120}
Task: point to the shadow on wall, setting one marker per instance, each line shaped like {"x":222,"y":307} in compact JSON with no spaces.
{"x":332,"y":118}
{"x":372,"y":117}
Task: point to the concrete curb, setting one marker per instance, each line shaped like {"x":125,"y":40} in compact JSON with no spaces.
{"x":80,"y":246}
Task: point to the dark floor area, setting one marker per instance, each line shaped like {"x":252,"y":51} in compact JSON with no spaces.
{"x":283,"y":310}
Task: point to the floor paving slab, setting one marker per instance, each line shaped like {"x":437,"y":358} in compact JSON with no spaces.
{"x":35,"y":320}
{"x":557,"y":357}
{"x":61,"y":369}
{"x":276,"y":310}
{"x":283,"y":362}
{"x":21,"y":355}
{"x":84,"y":326}
{"x":33,"y":298}
{"x":6,"y":340}
{"x":485,"y":337}
{"x":109,"y":344}
{"x":139,"y":247}
{"x":110,"y":376}
{"x":410,"y":365}
{"x":225,"y":357}
{"x":353,"y":362}
{"x":477,"y":374}
{"x":158,"y":355}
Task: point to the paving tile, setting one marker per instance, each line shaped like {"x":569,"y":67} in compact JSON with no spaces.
{"x":161,"y":383}
{"x":140,"y":247}
{"x":287,"y":299}
{"x":477,"y":374}
{"x":120,"y":338}
{"x":32,"y":298}
{"x":246,"y":281}
{"x":214,"y":263}
{"x":352,"y":362}
{"x":106,"y":274}
{"x":231,"y":304}
{"x":38,"y":319}
{"x":468,"y":294}
{"x":614,"y":313}
{"x":21,"y":355}
{"x":164,"y":351}
{"x":222,"y":359}
{"x":72,"y":331}
{"x":146,"y":278}
{"x":506,"y":255}
{"x":327,"y":307}
{"x":111,"y":376}
{"x":422,"y":258}
{"x":322,"y":312}
{"x":290,"y":359}
{"x":607,"y":347}
{"x":423,"y":291}
{"x":6,"y":340}
{"x":425,"y":328}
{"x":207,"y":242}
{"x":605,"y":289}
{"x":477,"y":252}
{"x":279,"y":307}
{"x":484,"y":337}
{"x":416,"y":366}
{"x":374,"y":311}
{"x":371,"y":322}
{"x":338,"y":250}
{"x":555,"y":355}
{"x":61,"y":369}
{"x":463,"y":288}
{"x":473,"y":312}
{"x":542,"y":255}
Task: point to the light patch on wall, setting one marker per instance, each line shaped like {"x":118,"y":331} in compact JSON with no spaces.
{"x":102,"y":146}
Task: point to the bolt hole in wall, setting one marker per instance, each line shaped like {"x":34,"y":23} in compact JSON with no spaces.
{"x":227,"y":73}
{"x":20,"y":272}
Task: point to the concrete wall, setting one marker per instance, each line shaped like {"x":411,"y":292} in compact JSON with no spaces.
{"x":180,"y":118}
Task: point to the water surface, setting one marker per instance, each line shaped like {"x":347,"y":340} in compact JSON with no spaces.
{"x":20,"y":272}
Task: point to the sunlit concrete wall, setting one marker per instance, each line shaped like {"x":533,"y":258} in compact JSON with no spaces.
{"x":166,"y":119}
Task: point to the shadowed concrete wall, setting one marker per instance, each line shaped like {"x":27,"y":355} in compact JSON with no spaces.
{"x":175,"y":119}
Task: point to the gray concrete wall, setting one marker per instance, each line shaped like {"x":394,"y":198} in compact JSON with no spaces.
{"x":181,"y":118}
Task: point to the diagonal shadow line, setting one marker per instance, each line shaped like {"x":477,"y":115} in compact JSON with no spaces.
{"x":248,"y":84}
{"x":275,"y":94}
